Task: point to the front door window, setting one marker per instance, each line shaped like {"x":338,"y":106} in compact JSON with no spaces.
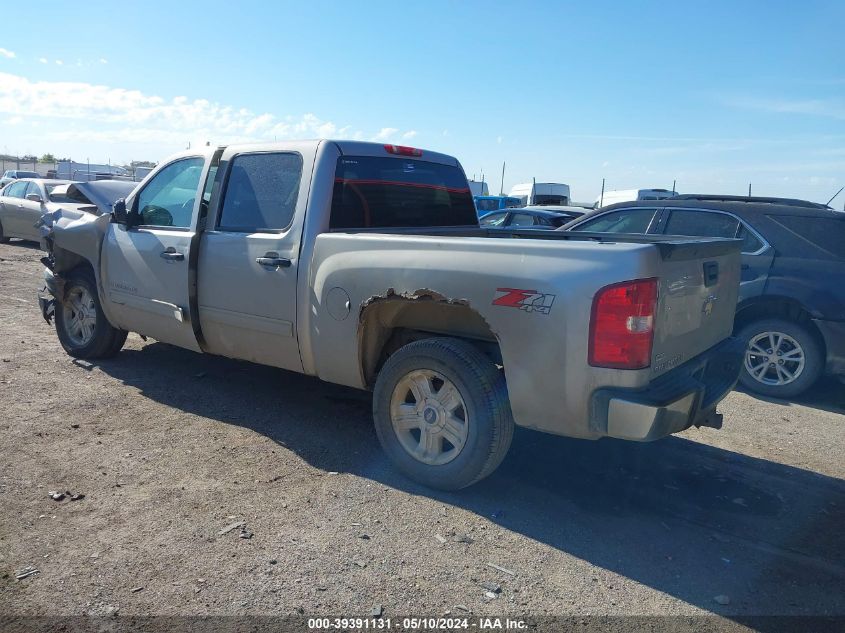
{"x":168,"y":199}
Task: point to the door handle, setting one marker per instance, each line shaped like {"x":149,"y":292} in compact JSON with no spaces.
{"x":273,"y":260}
{"x":172,"y":256}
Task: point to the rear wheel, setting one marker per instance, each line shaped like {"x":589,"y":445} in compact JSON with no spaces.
{"x":81,"y":325}
{"x":442,"y":414}
{"x":782,"y":358}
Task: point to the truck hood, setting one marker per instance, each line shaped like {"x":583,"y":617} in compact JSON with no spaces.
{"x":99,"y":193}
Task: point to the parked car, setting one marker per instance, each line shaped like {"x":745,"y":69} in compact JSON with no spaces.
{"x":14,"y":174}
{"x":537,"y":217}
{"x":791,"y":310}
{"x":388,"y":283}
{"x":486,"y":204}
{"x":24,"y":201}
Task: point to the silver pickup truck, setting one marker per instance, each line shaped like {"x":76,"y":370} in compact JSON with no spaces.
{"x":363,"y":264}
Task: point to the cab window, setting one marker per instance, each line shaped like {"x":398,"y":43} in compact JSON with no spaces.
{"x":261,"y":192}
{"x":635,"y":220}
{"x":168,"y":199}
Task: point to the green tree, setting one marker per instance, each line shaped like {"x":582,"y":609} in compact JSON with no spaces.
{"x":48,"y":158}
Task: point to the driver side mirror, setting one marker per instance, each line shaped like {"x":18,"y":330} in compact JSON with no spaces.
{"x":122,"y":215}
{"x":118,"y":213}
{"x":34,"y":197}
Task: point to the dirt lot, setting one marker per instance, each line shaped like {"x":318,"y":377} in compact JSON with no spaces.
{"x":170,"y":447}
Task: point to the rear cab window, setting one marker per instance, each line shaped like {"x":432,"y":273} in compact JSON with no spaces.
{"x":380,"y":192}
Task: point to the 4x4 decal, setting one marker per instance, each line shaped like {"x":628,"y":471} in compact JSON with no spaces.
{"x":528,"y":300}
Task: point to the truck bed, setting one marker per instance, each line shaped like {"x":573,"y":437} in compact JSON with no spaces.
{"x":673,"y":247}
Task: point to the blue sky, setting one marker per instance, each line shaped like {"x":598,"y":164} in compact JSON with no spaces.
{"x":712,"y":94}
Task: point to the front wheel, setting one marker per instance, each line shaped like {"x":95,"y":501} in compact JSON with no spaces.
{"x":442,"y":414}
{"x":782,"y":358}
{"x":81,"y":325}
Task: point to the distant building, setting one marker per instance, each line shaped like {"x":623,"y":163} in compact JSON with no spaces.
{"x":71,"y":170}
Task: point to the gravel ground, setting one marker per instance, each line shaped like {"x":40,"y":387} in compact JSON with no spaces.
{"x":171,"y":447}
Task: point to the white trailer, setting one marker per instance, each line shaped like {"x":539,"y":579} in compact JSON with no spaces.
{"x":554,"y":193}
{"x":629,"y":195}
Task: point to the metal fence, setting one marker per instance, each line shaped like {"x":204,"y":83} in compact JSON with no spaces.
{"x":71,"y":170}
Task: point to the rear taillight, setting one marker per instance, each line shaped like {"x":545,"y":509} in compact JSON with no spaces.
{"x":622,"y":325}
{"x":403,"y":150}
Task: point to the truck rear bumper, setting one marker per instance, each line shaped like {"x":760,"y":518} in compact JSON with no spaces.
{"x":675,"y":401}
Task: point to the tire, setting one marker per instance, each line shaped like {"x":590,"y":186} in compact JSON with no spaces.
{"x":81,"y":325}
{"x":794,"y":349}
{"x":3,"y":238}
{"x":464,"y":430}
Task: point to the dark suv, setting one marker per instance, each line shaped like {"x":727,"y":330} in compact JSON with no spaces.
{"x":791,"y":307}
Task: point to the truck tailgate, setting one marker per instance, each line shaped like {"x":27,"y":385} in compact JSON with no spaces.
{"x":698,"y":285}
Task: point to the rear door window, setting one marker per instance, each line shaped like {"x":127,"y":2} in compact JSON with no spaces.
{"x":750,"y":242}
{"x":34,"y":188}
{"x":376,"y":192}
{"x":261,"y":192}
{"x":635,"y":220}
{"x":701,"y":224}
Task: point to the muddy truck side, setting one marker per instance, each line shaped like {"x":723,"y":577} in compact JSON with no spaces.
{"x":363,"y":264}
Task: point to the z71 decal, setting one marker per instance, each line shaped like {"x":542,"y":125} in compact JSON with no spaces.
{"x":528,"y":300}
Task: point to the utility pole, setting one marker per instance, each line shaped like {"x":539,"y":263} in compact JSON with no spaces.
{"x":601,"y":198}
{"x":673,"y":187}
{"x":502,"y":186}
{"x":749,"y":189}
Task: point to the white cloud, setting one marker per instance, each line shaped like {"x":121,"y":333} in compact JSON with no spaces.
{"x":43,"y":60}
{"x":830,"y":108}
{"x":409,"y":135}
{"x":103,"y":60}
{"x":385,"y":134}
{"x":7,"y":53}
{"x":15,"y":120}
{"x":59,"y":62}
{"x":499,"y":140}
{"x":88,"y":113}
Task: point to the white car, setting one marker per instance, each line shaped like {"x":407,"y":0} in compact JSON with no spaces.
{"x":24,"y":201}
